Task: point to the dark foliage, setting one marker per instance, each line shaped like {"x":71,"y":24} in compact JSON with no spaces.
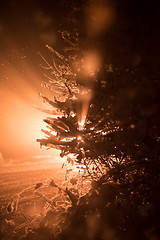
{"x":119,"y":145}
{"x":118,"y":140}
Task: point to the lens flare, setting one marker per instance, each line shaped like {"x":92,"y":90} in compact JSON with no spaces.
{"x":84,"y":98}
{"x":91,"y":63}
{"x":99,"y":17}
{"x":81,"y":125}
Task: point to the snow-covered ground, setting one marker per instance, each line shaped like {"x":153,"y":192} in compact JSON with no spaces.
{"x":35,"y":162}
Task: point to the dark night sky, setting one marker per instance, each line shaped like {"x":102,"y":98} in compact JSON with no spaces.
{"x":25,"y":28}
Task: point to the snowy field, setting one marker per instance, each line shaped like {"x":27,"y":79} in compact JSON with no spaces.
{"x":21,"y":178}
{"x":17,"y":176}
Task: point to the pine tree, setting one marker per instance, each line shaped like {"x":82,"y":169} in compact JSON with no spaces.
{"x":109,"y":123}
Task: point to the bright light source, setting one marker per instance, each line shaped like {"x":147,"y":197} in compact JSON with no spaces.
{"x":81,"y":125}
{"x":79,"y":138}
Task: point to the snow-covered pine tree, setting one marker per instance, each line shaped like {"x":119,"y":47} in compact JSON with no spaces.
{"x":109,"y":123}
{"x":84,"y":123}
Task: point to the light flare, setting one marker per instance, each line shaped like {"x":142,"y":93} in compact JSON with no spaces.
{"x":20,"y":121}
{"x":81,"y":125}
{"x":85,"y":98}
{"x":91,"y":63}
{"x":99,"y":17}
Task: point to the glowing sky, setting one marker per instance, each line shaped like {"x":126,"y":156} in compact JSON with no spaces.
{"x":24,"y":31}
{"x":27,"y":26}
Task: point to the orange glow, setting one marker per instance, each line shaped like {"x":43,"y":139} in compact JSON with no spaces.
{"x":21,"y":126}
{"x":85,"y":98}
{"x":20,"y":121}
{"x":81,"y":125}
{"x":100,"y":17}
{"x":91,"y":63}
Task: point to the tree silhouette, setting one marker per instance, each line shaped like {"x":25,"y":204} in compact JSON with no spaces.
{"x":110,"y":124}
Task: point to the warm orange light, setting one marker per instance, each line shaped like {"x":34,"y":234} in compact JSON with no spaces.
{"x":81,"y":125}
{"x":20,"y":122}
{"x":79,"y":138}
{"x":99,"y":17}
{"x":22,"y":125}
{"x":84,"y":97}
{"x":91,"y":63}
